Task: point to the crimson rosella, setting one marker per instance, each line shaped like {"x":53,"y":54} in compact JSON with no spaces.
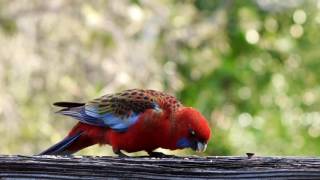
{"x":133,"y":120}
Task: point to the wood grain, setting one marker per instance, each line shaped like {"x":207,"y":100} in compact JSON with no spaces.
{"x":64,"y":167}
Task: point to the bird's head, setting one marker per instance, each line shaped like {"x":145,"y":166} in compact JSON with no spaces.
{"x":191,"y":129}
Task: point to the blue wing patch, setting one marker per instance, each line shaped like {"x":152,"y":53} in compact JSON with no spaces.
{"x":114,"y":122}
{"x":90,"y":115}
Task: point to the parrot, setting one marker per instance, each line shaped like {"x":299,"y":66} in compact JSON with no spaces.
{"x":133,"y":120}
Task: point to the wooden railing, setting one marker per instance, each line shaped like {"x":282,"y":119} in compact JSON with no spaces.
{"x":63,"y":167}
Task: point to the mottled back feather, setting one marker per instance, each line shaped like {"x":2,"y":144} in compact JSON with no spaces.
{"x":136,"y":100}
{"x":121,"y":110}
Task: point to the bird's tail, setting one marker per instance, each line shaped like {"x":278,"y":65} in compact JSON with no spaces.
{"x":63,"y":147}
{"x":81,"y":136}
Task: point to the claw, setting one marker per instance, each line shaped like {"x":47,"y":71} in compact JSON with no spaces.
{"x":119,"y":153}
{"x":159,"y":155}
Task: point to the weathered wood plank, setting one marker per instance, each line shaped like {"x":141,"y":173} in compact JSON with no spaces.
{"x":63,"y":167}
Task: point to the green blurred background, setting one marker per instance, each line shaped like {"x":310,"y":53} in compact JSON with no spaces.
{"x":251,"y":67}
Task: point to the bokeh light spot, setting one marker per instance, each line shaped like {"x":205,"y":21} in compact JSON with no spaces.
{"x":135,"y":13}
{"x":252,"y":36}
{"x":244,"y":93}
{"x":245,"y":119}
{"x":299,"y":16}
{"x":296,"y":31}
{"x":271,"y":25}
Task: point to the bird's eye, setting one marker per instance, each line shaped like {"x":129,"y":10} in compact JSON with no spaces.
{"x":192,"y":133}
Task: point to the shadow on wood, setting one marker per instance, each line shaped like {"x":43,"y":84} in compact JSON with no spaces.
{"x":63,"y":167}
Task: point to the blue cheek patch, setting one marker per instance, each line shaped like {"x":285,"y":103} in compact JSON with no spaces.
{"x":184,"y":143}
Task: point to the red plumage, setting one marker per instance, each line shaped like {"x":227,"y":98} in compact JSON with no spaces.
{"x":134,"y":120}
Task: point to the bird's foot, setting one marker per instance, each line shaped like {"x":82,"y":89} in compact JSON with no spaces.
{"x":120,"y":154}
{"x":159,"y":155}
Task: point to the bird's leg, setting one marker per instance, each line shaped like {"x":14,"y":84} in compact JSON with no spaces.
{"x":159,"y":154}
{"x":119,"y":153}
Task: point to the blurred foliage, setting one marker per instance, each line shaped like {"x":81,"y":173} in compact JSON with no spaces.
{"x":251,"y":67}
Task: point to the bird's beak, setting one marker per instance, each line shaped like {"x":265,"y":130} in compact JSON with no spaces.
{"x":201,"y":147}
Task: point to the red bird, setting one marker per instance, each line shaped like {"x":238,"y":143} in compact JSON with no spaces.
{"x":133,"y":120}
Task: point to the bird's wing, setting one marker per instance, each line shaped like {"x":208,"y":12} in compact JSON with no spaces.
{"x":116,"y":111}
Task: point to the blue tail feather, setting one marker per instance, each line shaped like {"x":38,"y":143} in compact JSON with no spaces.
{"x":61,"y":147}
